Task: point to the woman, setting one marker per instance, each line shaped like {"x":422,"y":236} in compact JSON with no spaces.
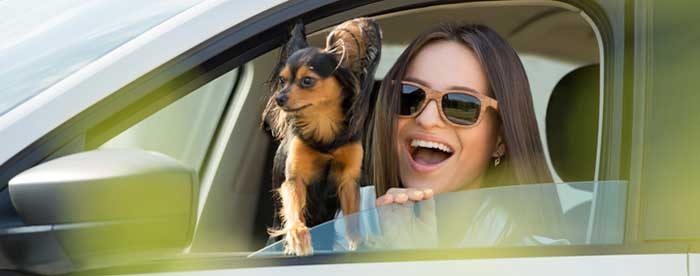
{"x":482,"y":135}
{"x":455,"y":113}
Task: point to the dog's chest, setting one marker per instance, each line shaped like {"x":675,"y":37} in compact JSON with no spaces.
{"x":322,"y":196}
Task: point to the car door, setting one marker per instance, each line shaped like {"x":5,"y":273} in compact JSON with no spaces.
{"x":232,"y":171}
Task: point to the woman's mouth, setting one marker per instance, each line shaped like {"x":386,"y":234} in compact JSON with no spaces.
{"x":427,"y":155}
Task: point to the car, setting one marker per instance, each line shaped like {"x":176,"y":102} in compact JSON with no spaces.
{"x":132,"y":142}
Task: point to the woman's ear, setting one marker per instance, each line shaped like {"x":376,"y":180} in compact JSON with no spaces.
{"x":500,"y":149}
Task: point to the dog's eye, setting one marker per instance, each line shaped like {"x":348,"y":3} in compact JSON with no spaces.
{"x":307,"y":82}
{"x":281,"y":81}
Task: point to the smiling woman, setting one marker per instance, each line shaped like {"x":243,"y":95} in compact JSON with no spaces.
{"x":476,"y":129}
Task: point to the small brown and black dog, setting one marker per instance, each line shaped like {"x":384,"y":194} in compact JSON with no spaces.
{"x":318,"y":109}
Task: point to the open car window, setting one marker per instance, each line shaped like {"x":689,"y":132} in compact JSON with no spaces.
{"x":510,"y":216}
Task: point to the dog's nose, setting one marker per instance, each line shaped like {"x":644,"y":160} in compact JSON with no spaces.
{"x":281,"y":99}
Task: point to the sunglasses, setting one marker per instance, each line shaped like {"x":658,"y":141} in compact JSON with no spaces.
{"x":459,"y":107}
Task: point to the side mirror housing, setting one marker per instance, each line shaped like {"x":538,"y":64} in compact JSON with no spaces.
{"x":107,"y":203}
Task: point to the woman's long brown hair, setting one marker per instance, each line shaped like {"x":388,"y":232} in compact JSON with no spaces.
{"x":524,"y":160}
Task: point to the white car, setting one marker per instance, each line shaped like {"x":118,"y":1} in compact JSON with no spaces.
{"x":130,"y":142}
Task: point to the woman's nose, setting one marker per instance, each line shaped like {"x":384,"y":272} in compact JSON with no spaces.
{"x":430,"y":116}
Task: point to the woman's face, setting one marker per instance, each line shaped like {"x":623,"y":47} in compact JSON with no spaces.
{"x":444,"y":65}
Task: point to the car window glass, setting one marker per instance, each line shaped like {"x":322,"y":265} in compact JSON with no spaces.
{"x":509,"y":216}
{"x":45,"y":41}
{"x":183,"y":130}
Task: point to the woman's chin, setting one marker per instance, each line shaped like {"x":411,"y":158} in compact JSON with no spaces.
{"x":437,"y":186}
{"x":425,"y":175}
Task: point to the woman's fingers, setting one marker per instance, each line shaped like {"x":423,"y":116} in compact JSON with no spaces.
{"x":384,"y":200}
{"x":403,"y":195}
{"x":400,"y":198}
{"x":428,"y":193}
{"x":412,"y":194}
{"x":416,"y":194}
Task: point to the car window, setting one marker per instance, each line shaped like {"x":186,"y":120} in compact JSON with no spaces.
{"x":44,"y":42}
{"x":552,"y":42}
{"x":511,"y":216}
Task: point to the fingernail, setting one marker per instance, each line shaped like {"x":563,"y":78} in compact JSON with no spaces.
{"x":402,"y":196}
{"x":418,"y":193}
{"x":428,"y":191}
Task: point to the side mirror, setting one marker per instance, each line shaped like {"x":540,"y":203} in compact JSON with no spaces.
{"x":106,"y":203}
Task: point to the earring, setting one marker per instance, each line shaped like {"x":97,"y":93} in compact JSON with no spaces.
{"x":497,"y":161}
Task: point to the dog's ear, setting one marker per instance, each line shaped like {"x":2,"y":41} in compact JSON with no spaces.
{"x":274,"y":119}
{"x":297,"y":41}
{"x":357,"y":44}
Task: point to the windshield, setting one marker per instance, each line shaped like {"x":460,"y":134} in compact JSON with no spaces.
{"x":576,"y":213}
{"x":45,"y":41}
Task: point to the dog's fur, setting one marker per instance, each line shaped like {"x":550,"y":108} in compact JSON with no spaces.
{"x":319,"y":110}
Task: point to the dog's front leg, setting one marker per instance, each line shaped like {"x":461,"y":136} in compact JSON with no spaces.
{"x":303,"y":166}
{"x":346,"y":168}
{"x":297,"y":238}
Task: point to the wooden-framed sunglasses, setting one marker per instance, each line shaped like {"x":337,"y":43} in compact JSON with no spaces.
{"x":461,"y":108}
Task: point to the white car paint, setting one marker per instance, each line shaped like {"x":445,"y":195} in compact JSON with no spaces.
{"x":638,"y":265}
{"x":37,"y":116}
{"x":694,"y":264}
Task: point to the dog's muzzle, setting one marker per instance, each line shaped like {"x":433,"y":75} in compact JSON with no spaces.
{"x":281,"y":99}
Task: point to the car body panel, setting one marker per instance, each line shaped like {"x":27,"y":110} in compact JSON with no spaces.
{"x":639,"y":265}
{"x":693,"y":264}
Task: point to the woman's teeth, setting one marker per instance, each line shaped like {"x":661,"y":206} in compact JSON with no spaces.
{"x":430,"y":145}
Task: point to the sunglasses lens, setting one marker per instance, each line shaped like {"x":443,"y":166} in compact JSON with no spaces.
{"x":461,"y":109}
{"x":411,"y":99}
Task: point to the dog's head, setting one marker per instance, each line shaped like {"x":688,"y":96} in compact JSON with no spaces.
{"x":311,"y":82}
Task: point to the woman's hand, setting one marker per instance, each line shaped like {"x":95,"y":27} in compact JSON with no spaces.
{"x":403,"y":195}
{"x":405,"y":225}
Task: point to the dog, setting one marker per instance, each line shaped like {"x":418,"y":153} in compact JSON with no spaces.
{"x":318,"y":110}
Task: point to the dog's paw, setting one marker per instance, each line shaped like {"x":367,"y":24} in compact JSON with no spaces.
{"x":353,"y":245}
{"x":298,"y":241}
{"x":355,"y":241}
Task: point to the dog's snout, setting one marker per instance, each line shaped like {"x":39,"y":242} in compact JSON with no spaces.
{"x":281,"y":99}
